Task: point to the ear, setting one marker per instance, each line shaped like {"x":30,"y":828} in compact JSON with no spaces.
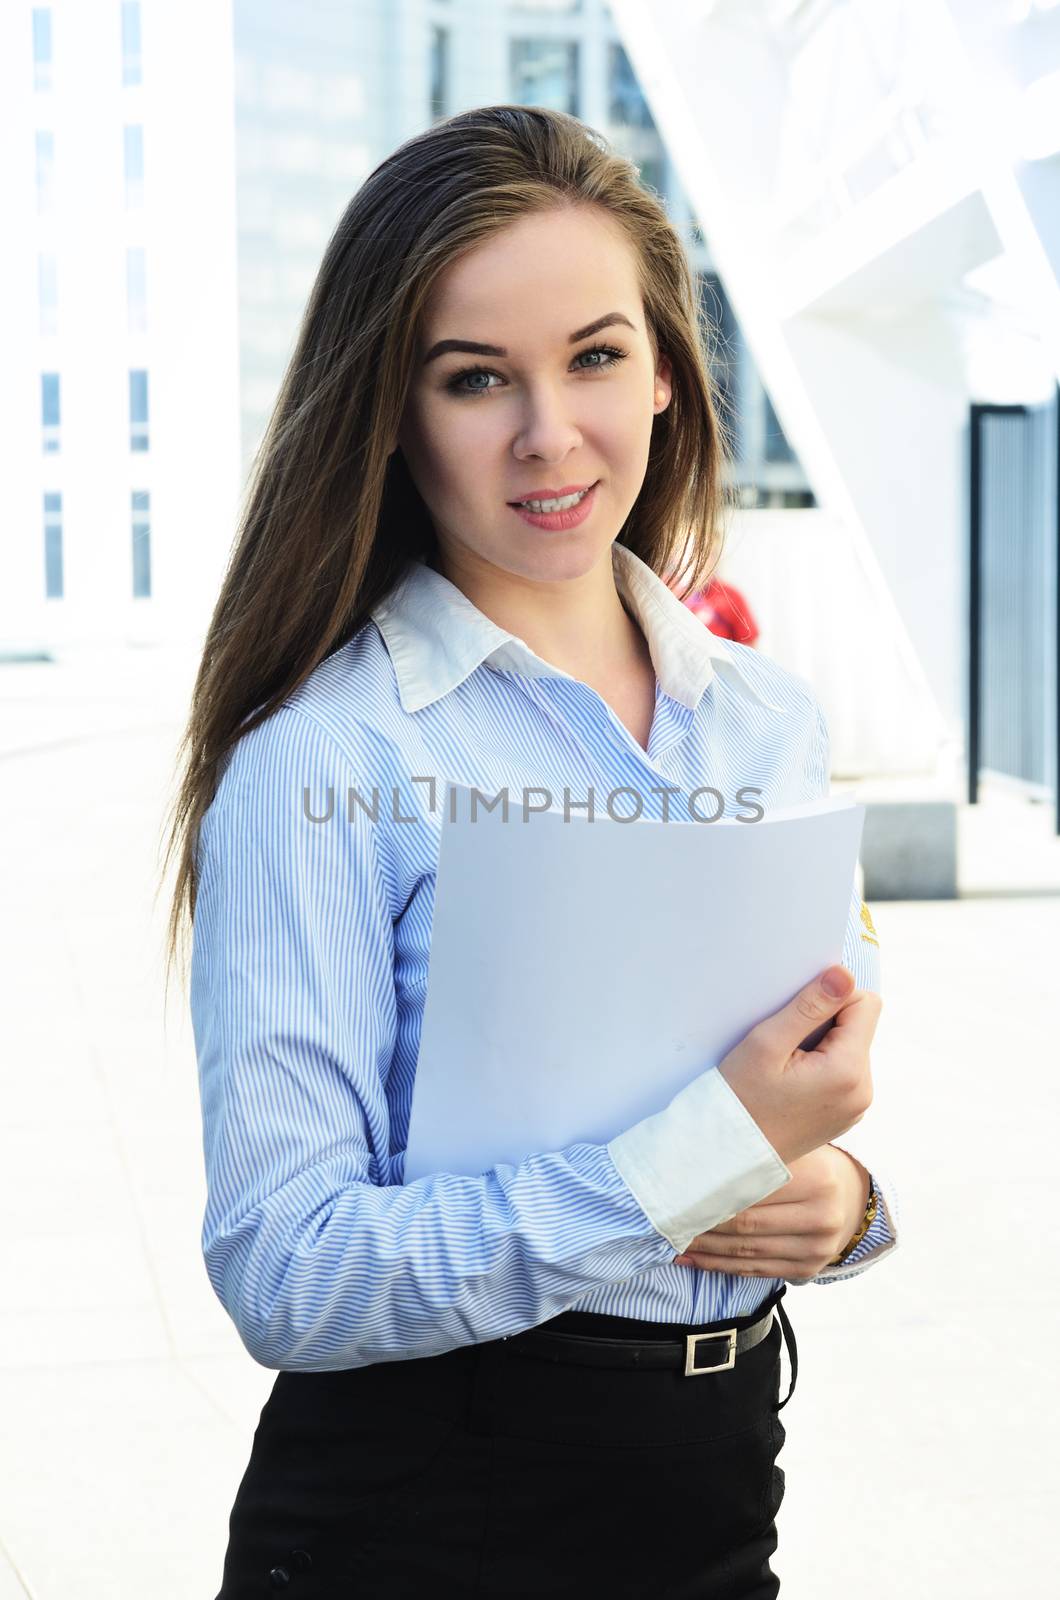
{"x":663,"y":383}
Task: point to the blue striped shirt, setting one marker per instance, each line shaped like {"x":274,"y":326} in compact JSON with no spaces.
{"x":309,"y":970}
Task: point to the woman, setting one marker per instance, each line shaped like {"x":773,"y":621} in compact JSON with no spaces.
{"x":494,"y":434}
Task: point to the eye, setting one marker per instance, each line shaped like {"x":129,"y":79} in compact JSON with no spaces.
{"x":456,"y":384}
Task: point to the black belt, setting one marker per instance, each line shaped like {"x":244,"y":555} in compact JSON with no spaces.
{"x":694,"y":1355}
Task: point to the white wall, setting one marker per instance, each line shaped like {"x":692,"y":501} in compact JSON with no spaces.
{"x":823,"y":615}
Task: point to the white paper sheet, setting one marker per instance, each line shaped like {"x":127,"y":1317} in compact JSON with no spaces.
{"x":581,"y":973}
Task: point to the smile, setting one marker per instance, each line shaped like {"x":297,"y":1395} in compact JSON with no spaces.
{"x":559,"y":513}
{"x":562,"y":504}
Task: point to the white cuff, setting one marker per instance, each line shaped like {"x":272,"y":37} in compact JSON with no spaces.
{"x":699,"y":1161}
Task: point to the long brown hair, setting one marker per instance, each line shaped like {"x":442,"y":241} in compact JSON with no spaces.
{"x":329,"y":517}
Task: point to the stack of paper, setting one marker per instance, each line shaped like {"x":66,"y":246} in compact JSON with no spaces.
{"x":581,"y":972}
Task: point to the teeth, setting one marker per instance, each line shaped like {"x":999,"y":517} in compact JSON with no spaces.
{"x":543,"y":506}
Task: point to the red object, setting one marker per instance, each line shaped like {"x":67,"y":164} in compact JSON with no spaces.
{"x":723,"y":609}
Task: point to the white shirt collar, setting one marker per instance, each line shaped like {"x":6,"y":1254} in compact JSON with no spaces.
{"x":436,"y":637}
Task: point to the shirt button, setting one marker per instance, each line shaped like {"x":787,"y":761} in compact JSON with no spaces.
{"x":279,"y":1577}
{"x":301,"y":1560}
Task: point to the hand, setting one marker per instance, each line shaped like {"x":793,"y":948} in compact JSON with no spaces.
{"x":796,"y":1231}
{"x":802,"y":1097}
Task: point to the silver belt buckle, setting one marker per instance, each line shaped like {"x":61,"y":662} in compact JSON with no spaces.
{"x":692,"y":1339}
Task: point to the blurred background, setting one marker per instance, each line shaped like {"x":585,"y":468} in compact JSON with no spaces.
{"x":869,"y":193}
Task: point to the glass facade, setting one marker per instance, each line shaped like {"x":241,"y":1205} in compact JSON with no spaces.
{"x":141,"y":544}
{"x":631,"y":126}
{"x":626,"y":105}
{"x":439,"y":73}
{"x":544,"y":72}
{"x":550,"y":45}
{"x":131,"y":64}
{"x":49,"y":411}
{"x":723,"y":345}
{"x":42,"y":47}
{"x":138,"y":435}
{"x":777,"y":447}
{"x":767,"y":468}
{"x":53,"y":546}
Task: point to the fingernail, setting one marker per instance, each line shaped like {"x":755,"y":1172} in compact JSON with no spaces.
{"x":836,"y":982}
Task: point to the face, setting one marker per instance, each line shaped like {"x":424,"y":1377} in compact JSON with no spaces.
{"x":556,"y":403}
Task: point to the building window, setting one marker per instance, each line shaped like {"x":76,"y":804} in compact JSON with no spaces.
{"x":630,"y":123}
{"x":544,"y":72}
{"x":652,"y":170}
{"x":777,"y":447}
{"x":42,"y":47}
{"x":136,"y":287}
{"x":47,"y":293}
{"x":141,"y":544}
{"x":137,"y":409}
{"x":626,"y":105}
{"x":723,"y":348}
{"x":49,"y":410}
{"x":45,"y":169}
{"x":53,"y":546}
{"x":439,"y":73}
{"x":131,"y":63}
{"x":134,"y":165}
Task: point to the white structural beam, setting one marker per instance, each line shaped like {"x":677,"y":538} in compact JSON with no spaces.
{"x":892,"y":254}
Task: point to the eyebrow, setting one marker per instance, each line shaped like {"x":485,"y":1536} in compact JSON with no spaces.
{"x":469,"y":347}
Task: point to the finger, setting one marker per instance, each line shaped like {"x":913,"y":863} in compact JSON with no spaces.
{"x":855,"y":1025}
{"x":794,"y":1252}
{"x":813,"y":1004}
{"x":757,"y":1269}
{"x":791,"y":1217}
{"x":814,"y":1223}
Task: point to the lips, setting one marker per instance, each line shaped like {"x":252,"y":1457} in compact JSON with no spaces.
{"x":550,"y":494}
{"x":577,"y":509}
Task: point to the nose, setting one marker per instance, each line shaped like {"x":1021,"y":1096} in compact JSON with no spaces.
{"x":547,"y":431}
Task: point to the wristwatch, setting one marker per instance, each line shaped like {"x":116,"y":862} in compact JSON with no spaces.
{"x":866,"y":1222}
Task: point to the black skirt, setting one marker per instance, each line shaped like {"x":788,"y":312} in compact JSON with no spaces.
{"x":484,"y":1473}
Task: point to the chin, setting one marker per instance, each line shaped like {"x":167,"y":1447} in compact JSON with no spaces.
{"x":570,"y":559}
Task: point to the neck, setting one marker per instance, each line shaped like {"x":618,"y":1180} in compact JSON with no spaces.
{"x":581,"y":625}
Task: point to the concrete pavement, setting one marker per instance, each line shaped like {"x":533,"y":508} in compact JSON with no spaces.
{"x":920,"y":1458}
